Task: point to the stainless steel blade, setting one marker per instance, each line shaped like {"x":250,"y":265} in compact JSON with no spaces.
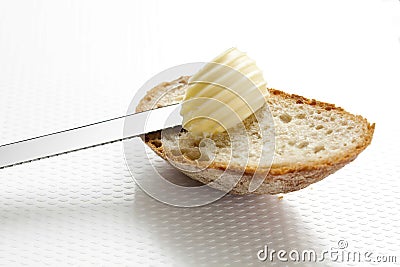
{"x":87,"y":136}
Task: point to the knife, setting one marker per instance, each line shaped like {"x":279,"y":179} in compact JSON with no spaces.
{"x":91,"y":135}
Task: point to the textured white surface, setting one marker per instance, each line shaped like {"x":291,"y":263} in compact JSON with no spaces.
{"x":83,"y":208}
{"x":63,"y":65}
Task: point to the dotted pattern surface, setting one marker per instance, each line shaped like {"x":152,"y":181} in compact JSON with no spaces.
{"x":65,"y":66}
{"x":83,"y":208}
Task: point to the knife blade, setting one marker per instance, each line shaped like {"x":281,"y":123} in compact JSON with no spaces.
{"x":87,"y":136}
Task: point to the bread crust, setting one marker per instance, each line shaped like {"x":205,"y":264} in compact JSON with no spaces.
{"x":279,"y":178}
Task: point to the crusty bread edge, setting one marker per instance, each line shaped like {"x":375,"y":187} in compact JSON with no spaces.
{"x":279,"y":179}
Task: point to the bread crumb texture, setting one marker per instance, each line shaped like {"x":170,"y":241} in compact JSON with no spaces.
{"x":308,"y":140}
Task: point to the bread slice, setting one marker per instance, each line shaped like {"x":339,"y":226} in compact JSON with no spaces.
{"x":312,"y":140}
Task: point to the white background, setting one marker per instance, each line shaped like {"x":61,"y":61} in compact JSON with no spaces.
{"x":68,"y":63}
